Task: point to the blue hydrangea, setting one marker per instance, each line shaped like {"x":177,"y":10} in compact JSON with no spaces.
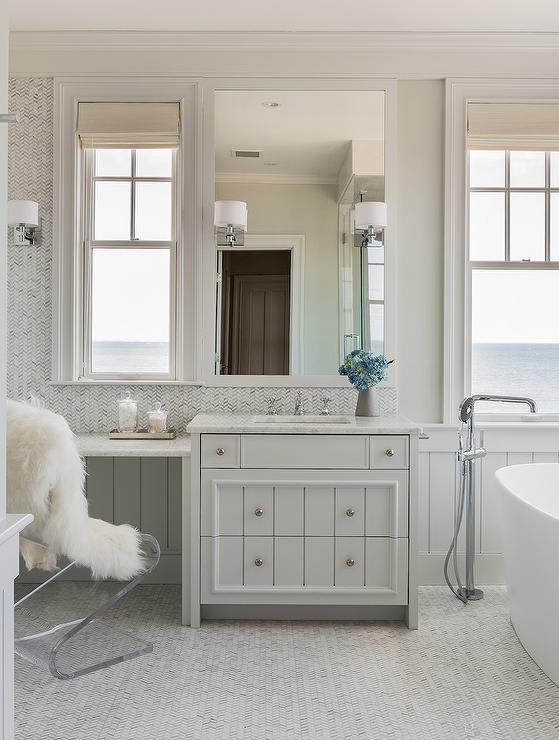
{"x":363,"y":369}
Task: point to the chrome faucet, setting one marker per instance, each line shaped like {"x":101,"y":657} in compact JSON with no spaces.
{"x":466,"y":413}
{"x":299,"y":404}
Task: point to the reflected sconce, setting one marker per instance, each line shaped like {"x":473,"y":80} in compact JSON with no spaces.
{"x":230,"y":222}
{"x":370,"y":221}
{"x":23,"y":216}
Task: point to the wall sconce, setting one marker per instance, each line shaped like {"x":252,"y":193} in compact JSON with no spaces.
{"x":23,"y":215}
{"x":230,"y":221}
{"x":370,"y":218}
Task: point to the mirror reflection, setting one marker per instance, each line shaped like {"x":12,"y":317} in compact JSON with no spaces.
{"x":294,"y":292}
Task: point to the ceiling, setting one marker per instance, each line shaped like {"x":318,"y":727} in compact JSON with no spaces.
{"x":307,"y":135}
{"x":288,"y":15}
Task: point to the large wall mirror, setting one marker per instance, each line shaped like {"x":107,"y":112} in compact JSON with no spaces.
{"x":294,"y":294}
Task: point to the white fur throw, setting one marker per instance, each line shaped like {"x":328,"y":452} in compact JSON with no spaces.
{"x":46,"y":478}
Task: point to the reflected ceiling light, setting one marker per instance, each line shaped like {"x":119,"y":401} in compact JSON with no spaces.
{"x":370,"y":221}
{"x":23,"y":215}
{"x":230,"y":222}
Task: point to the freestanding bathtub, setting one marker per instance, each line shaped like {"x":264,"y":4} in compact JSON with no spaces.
{"x":529,"y":499}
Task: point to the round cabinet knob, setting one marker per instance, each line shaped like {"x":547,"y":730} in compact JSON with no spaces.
{"x":350,"y":562}
{"x":220,"y":451}
{"x":258,"y":562}
{"x":389,"y":453}
{"x":258,"y":511}
{"x":350,"y":512}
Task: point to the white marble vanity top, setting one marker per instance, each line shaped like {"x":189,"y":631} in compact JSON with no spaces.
{"x":99,"y":445}
{"x":245,"y":423}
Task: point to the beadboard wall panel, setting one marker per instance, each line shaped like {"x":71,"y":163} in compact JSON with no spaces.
{"x":439,"y":485}
{"x":92,"y":408}
{"x":144,"y":492}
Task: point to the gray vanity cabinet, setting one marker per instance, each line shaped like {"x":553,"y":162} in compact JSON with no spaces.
{"x":321,"y":520}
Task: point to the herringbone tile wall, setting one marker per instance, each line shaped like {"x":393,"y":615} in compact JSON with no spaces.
{"x":92,"y":408}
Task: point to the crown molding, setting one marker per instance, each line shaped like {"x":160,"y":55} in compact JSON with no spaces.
{"x":273,"y":178}
{"x":173,"y":40}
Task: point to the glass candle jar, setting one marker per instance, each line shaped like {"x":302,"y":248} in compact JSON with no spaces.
{"x":127,"y":414}
{"x":157,"y":420}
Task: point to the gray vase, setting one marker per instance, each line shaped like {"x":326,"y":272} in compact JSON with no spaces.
{"x":368,"y":403}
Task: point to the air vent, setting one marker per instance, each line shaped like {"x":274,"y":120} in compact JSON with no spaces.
{"x":246,"y":153}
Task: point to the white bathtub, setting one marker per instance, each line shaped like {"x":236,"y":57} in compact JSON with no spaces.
{"x":529,"y":499}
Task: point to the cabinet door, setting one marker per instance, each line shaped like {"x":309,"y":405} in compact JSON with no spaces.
{"x":386,"y":506}
{"x":386,"y":566}
{"x":319,"y":511}
{"x":350,"y":511}
{"x":350,"y":561}
{"x":228,"y":558}
{"x":319,"y":561}
{"x":222,"y":508}
{"x":288,"y":511}
{"x":259,"y":561}
{"x":259,"y":510}
{"x":288,"y":561}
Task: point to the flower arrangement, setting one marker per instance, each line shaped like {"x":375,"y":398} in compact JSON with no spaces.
{"x":363,"y":369}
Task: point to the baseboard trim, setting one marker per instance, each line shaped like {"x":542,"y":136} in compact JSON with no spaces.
{"x":489,"y":569}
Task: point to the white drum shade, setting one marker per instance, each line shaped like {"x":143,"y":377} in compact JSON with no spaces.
{"x":23,"y":212}
{"x":231,"y":213}
{"x":372,"y":213}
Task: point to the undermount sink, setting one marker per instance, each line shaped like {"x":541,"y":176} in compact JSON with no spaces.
{"x":306,"y":419}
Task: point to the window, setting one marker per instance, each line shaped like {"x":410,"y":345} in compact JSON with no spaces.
{"x":513,"y":271}
{"x":130,"y":251}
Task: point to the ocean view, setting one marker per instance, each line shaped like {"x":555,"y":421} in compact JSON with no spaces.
{"x":130,"y":357}
{"x":517,"y":369}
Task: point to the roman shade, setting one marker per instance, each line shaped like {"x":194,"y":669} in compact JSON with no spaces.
{"x":129,"y":125}
{"x":513,"y":126}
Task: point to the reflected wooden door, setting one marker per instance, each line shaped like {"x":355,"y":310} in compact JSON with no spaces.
{"x":259,"y":325}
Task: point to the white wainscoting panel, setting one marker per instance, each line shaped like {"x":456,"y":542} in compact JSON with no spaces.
{"x":439,"y":482}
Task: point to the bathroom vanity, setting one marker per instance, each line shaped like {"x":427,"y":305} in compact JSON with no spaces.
{"x":299,"y":519}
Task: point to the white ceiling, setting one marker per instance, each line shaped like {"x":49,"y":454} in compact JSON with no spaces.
{"x":308,"y":134}
{"x":287,"y":15}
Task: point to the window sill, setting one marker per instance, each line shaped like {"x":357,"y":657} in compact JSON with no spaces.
{"x":196,"y":383}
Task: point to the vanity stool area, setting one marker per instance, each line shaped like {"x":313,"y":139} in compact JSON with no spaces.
{"x":302,"y":520}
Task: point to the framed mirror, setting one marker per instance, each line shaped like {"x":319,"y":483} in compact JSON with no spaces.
{"x":295,"y":290}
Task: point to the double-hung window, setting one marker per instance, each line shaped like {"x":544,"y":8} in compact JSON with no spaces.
{"x":513,"y":272}
{"x":129,"y":184}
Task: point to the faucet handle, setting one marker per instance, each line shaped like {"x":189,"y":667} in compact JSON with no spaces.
{"x":325,"y":411}
{"x":272,"y":408}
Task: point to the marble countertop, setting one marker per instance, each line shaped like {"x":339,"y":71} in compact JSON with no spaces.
{"x":99,"y":445}
{"x":244,"y":423}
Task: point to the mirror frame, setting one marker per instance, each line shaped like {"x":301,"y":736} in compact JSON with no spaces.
{"x":206,"y":251}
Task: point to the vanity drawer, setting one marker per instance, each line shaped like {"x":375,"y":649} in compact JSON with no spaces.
{"x":317,"y":451}
{"x":389,"y":451}
{"x":220,"y":451}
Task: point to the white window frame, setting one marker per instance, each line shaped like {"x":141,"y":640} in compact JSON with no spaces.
{"x":457,"y":301}
{"x":90,"y":244}
{"x":70,"y":221}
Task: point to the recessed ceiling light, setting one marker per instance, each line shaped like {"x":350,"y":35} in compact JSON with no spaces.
{"x":271,"y":164}
{"x":271,"y":104}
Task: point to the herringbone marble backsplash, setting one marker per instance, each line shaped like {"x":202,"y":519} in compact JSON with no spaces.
{"x":93,"y":408}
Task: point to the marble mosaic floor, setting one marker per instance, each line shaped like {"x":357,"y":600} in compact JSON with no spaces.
{"x":462,"y":675}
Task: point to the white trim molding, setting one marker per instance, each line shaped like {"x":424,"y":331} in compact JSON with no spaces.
{"x":68,"y":213}
{"x":280,"y":54}
{"x":459,"y":92}
{"x":295,"y":244}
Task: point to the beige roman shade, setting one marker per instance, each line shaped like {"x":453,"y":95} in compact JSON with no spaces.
{"x":129,"y":125}
{"x":513,"y":126}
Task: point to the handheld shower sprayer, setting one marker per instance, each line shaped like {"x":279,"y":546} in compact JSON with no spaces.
{"x":468,"y":453}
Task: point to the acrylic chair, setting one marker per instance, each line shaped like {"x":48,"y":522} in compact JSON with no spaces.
{"x":83,"y":644}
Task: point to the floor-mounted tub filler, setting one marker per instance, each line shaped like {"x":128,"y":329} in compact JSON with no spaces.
{"x":530,"y":528}
{"x":468,"y":453}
